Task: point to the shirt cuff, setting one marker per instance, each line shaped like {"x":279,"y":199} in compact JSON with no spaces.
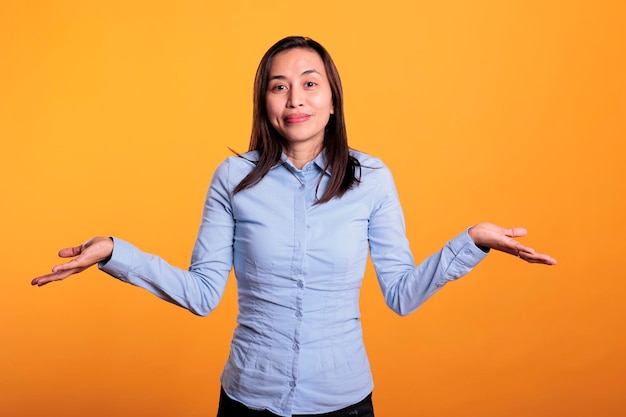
{"x":118,"y":264}
{"x":466,"y":251}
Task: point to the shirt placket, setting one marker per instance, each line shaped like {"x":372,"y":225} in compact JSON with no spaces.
{"x":298,"y":269}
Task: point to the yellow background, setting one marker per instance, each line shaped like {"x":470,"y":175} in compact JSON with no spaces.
{"x":114,"y":114}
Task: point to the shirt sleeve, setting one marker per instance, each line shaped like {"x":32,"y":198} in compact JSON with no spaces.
{"x":406,"y":286}
{"x":200,"y":288}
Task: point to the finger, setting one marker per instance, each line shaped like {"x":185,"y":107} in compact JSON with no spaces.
{"x":68,"y":266}
{"x":538,"y":258}
{"x":525,"y":249}
{"x":42,"y":280}
{"x":70,"y":252}
{"x":515,"y":232}
{"x":544,"y":259}
{"x":45,"y":279}
{"x":515,"y":248}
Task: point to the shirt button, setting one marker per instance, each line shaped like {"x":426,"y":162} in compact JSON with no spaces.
{"x":292,"y":384}
{"x":296,"y":347}
{"x":301,"y":187}
{"x":298,"y":314}
{"x":300,"y":284}
{"x":467,"y":251}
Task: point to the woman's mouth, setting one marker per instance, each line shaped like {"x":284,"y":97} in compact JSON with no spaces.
{"x":297,"y":118}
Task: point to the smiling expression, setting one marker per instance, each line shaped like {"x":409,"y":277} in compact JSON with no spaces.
{"x":298,"y":97}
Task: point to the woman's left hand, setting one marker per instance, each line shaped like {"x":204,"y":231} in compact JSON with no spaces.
{"x":499,"y":238}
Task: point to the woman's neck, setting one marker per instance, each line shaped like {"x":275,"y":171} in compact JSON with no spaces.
{"x":300,"y":155}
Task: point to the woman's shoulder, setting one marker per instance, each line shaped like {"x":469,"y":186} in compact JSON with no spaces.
{"x":366,"y":160}
{"x":235,"y":167}
{"x":247,"y":159}
{"x":240,"y":162}
{"x":373,"y":172}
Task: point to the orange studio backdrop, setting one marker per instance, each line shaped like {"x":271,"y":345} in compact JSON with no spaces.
{"x":113,"y":116}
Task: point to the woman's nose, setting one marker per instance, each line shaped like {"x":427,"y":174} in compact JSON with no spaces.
{"x":295,"y":98}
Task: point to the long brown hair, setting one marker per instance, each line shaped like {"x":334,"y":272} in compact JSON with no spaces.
{"x":269,"y":143}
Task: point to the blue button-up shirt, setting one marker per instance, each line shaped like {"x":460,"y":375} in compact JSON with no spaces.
{"x":298,"y":346}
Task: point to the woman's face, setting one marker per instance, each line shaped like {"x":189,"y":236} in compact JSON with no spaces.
{"x":298,"y":97}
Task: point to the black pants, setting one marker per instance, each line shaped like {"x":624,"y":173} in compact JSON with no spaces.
{"x":231,"y":408}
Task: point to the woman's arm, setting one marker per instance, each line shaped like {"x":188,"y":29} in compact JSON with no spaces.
{"x":198,"y":289}
{"x":406,"y":285}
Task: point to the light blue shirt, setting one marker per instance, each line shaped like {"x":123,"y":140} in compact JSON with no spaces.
{"x":298,"y":346}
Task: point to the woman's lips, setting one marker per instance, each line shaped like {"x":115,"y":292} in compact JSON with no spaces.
{"x":297,"y":118}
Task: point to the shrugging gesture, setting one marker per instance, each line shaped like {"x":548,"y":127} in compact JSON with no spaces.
{"x":299,"y":256}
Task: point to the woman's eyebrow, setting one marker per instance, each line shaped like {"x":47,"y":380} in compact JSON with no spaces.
{"x":282,"y":77}
{"x":311,"y":71}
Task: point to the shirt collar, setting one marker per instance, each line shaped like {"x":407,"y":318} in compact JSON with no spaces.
{"x":320,"y":160}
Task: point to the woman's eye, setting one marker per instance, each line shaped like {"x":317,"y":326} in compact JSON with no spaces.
{"x":279,"y":87}
{"x":310,"y":84}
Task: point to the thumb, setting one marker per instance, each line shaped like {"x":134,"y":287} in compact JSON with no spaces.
{"x":515,"y":232}
{"x":70,"y":252}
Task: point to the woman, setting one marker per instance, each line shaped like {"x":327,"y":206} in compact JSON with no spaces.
{"x":296,"y":217}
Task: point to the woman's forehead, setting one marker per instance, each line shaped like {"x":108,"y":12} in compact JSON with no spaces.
{"x":296,"y":61}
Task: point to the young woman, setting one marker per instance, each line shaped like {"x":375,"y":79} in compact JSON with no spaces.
{"x":296,"y":217}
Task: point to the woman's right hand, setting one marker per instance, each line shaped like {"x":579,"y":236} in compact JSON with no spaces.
{"x":88,"y":254}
